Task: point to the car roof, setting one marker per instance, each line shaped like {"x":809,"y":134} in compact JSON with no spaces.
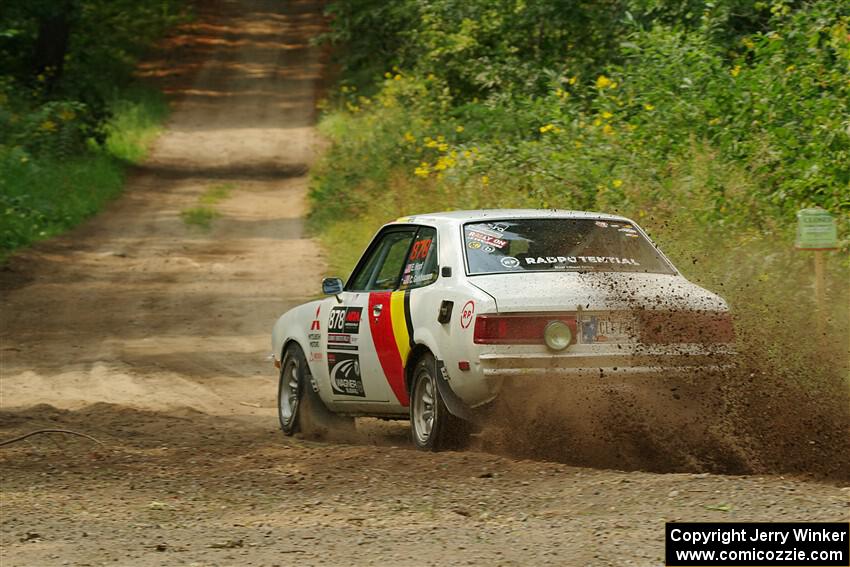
{"x":459,"y":217}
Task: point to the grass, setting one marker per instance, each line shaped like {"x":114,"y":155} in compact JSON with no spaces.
{"x":200,"y":217}
{"x":217,"y":193}
{"x":44,"y":196}
{"x":203,"y":215}
{"x":137,"y":120}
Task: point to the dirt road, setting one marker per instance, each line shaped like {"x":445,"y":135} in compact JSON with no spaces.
{"x":152,"y":335}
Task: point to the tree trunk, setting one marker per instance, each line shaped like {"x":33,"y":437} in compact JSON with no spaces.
{"x":51,"y":45}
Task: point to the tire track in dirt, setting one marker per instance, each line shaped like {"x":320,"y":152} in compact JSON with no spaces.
{"x":148,"y":334}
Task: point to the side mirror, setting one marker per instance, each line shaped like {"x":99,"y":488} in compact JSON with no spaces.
{"x":332,"y":286}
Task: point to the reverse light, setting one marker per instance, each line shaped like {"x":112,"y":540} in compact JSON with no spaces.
{"x":557,"y":335}
{"x":524,"y":329}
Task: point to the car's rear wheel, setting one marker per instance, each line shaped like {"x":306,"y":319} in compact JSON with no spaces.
{"x":432,"y":426}
{"x":300,"y":409}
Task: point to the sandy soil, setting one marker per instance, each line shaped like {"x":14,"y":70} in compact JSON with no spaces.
{"x":152,"y":336}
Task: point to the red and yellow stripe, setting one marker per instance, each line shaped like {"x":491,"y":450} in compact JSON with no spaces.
{"x":392,"y":335}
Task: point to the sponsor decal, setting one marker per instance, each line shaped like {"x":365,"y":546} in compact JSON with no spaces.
{"x":601,"y":224}
{"x":581,"y":260}
{"x":392,"y":335}
{"x":340,"y":341}
{"x":344,"y":369}
{"x":314,"y":356}
{"x":314,"y":326}
{"x":479,"y":236}
{"x":466,"y":314}
{"x":345,"y":320}
{"x":489,"y":249}
{"x":499,"y":227}
{"x":509,"y":262}
{"x":474,"y":245}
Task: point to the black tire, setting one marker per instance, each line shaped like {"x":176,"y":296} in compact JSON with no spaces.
{"x":305,"y":413}
{"x":432,"y":426}
{"x":290,"y":387}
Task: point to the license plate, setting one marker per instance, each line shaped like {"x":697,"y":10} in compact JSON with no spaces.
{"x":607,"y":329}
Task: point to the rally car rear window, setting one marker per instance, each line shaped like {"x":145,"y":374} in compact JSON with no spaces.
{"x":570,"y":245}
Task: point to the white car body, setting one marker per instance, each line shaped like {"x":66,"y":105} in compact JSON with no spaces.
{"x":360,"y":345}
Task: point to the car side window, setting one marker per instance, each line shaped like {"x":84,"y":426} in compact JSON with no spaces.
{"x":382,"y":268}
{"x":421,"y":267}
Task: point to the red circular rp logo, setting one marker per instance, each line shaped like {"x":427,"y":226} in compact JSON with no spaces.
{"x":466,"y":314}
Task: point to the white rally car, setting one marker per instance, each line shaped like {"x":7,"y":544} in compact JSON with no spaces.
{"x":444,"y":309}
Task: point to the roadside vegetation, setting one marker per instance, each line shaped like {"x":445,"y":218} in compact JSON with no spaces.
{"x":710,"y":123}
{"x":71,"y":116}
{"x":205,"y":212}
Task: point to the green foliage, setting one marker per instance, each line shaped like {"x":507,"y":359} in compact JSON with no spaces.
{"x":46,"y":197}
{"x":762,"y":87}
{"x":48,"y":185}
{"x":68,"y":130}
{"x":217,"y":193}
{"x":136,"y":119}
{"x":710,"y":123}
{"x":200,"y":216}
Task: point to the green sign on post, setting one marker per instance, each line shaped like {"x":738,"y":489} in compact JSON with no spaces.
{"x":816,"y":230}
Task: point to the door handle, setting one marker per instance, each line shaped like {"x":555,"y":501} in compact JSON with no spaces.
{"x":376,"y":310}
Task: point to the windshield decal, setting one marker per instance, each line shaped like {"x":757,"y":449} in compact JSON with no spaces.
{"x":582,"y":259}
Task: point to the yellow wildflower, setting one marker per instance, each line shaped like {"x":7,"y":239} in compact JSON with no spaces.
{"x":48,"y":126}
{"x":736,"y":70}
{"x":748,"y":43}
{"x":578,"y":144}
{"x":409,"y":137}
{"x":607,"y":130}
{"x":441,"y":138}
{"x":714,"y":122}
{"x":388,"y":75}
{"x":648,"y":106}
{"x":485,"y":180}
{"x":459,"y":129}
{"x":597,"y":122}
{"x":442,"y":147}
{"x":617,"y":183}
{"x":790,"y":68}
{"x":423,"y":170}
{"x":573,"y":80}
{"x":66,"y":115}
{"x":606,"y":115}
{"x":397,"y":78}
{"x":467,"y":154}
{"x":602,"y":82}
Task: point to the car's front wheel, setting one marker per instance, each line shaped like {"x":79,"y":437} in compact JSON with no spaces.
{"x":432,"y":426}
{"x":292,"y":371}
{"x":299,"y":407}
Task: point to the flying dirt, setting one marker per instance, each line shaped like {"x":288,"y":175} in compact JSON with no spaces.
{"x":151,"y":335}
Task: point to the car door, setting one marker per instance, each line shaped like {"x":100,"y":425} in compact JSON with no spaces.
{"x":390,"y":320}
{"x":354,"y":368}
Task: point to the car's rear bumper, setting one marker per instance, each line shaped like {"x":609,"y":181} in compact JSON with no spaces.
{"x":494,"y":366}
{"x":627,"y":364}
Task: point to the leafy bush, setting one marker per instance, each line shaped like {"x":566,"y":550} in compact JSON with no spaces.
{"x":710,"y":123}
{"x":70,"y":118}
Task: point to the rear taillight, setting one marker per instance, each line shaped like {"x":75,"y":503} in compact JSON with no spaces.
{"x":706,"y":327}
{"x":517,"y":329}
